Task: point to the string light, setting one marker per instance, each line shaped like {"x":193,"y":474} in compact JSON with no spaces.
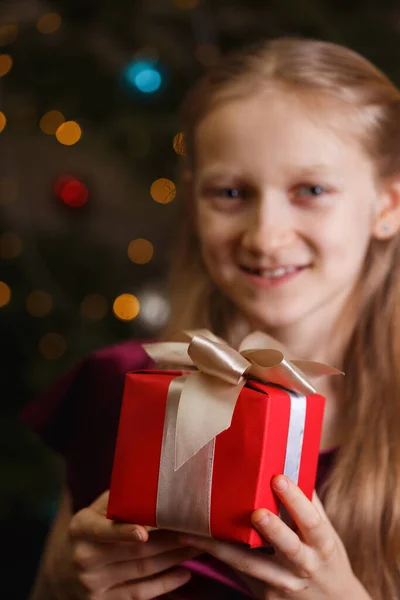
{"x":8,"y":190}
{"x":126,"y":307}
{"x":51,"y":121}
{"x":5,"y":294}
{"x":3,"y":121}
{"x":39,"y":303}
{"x":52,"y":346}
{"x":94,"y":307}
{"x":49,"y":23}
{"x":10,"y":246}
{"x":71,"y":191}
{"x":179,"y":144}
{"x":8,"y":34}
{"x":69,"y":133}
{"x":143,"y":75}
{"x":140,"y":251}
{"x":154,"y":309}
{"x":163,"y":190}
{"x":6,"y":62}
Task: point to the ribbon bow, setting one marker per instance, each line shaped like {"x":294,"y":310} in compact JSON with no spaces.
{"x":217,"y":375}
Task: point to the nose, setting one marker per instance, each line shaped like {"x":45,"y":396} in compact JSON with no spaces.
{"x":269,"y":224}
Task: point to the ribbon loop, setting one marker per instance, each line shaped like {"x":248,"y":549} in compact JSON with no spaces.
{"x":218,"y":360}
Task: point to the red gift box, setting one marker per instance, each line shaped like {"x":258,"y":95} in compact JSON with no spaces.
{"x":272,"y":431}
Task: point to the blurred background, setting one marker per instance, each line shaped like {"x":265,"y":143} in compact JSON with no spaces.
{"x":89,"y":149}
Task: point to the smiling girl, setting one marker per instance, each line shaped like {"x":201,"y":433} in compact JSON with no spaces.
{"x":292,"y":195}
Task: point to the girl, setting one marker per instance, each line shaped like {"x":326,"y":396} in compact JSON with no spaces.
{"x":292,"y":182}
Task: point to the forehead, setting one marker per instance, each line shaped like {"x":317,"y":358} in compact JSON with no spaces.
{"x":280,"y":127}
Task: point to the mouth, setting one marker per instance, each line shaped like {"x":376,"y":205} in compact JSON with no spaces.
{"x":276,"y":273}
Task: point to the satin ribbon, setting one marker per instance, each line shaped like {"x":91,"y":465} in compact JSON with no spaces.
{"x":217,"y":374}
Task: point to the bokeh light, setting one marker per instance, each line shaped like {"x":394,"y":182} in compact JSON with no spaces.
{"x":8,"y":190}
{"x":39,"y":303}
{"x":10,"y":245}
{"x":52,"y":346}
{"x":94,"y":307}
{"x":8,"y":34}
{"x":3,"y":121}
{"x":140,"y":251}
{"x":5,"y":294}
{"x":51,"y":121}
{"x":163,"y":190}
{"x":143,"y":75}
{"x":126,"y":307}
{"x":49,"y":23}
{"x":154,"y":309}
{"x":71,"y":191}
{"x":69,"y":133}
{"x":6,"y":62}
{"x":179,"y":144}
{"x":186,"y":4}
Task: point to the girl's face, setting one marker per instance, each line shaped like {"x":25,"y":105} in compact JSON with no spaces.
{"x":285,"y":206}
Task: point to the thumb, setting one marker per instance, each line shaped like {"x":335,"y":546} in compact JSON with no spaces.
{"x":91,"y":523}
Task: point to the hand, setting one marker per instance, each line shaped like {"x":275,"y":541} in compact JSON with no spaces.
{"x":115,"y":561}
{"x":311,"y":564}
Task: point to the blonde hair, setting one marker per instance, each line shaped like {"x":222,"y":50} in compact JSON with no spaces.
{"x":362,"y":495}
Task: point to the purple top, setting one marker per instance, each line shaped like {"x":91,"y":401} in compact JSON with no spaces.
{"x":78,"y":417}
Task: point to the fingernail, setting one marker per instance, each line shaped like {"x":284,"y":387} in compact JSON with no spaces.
{"x":183,"y":575}
{"x":137,"y":535}
{"x":281,"y":484}
{"x":264,"y":519}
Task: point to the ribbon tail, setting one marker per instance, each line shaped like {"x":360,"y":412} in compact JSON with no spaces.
{"x":206,"y":408}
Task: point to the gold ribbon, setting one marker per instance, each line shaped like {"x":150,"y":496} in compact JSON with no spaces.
{"x":217,"y":374}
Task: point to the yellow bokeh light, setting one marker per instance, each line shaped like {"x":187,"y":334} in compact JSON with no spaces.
{"x":179,"y":144}
{"x":3,"y":121}
{"x":8,"y":190}
{"x":52,"y":346}
{"x":126,"y":307}
{"x":186,"y":4}
{"x":140,"y":251}
{"x":69,"y":133}
{"x":94,"y":306}
{"x":163,"y":190}
{"x":6,"y":62}
{"x":49,"y":23}
{"x":8,"y":34}
{"x":51,"y":121}
{"x":10,"y":245}
{"x":39,"y":303}
{"x":5,"y":294}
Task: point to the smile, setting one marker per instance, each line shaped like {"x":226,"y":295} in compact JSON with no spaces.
{"x":272,"y":277}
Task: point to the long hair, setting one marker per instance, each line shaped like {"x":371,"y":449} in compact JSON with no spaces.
{"x":362,"y":495}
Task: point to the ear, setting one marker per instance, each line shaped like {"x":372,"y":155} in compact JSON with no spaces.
{"x":386,"y":223}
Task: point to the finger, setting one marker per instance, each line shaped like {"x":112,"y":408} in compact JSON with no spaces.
{"x":249,"y":562}
{"x":284,"y":540}
{"x":89,"y":555}
{"x":92,"y":525}
{"x":319,"y":506}
{"x":152,"y":588}
{"x":315,"y":530}
{"x":102,"y":579}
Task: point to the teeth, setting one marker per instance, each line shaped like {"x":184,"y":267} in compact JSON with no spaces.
{"x":279,"y":272}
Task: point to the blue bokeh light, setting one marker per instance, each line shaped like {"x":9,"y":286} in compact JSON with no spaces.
{"x":143,"y":75}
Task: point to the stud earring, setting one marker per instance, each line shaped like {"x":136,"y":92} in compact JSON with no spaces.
{"x":386,"y":227}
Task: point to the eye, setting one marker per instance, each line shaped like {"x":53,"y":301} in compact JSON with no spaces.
{"x":233,"y":193}
{"x":305,"y":191}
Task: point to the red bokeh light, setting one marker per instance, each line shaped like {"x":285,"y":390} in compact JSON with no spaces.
{"x":71,"y":191}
